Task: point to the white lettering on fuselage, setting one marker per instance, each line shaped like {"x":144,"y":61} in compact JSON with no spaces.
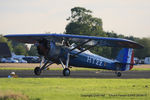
{"x":93,"y":60}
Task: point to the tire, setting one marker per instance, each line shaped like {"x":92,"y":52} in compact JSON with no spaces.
{"x":37,"y":71}
{"x":66,"y":72}
{"x":118,"y":74}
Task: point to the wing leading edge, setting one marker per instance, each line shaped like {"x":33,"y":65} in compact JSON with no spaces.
{"x":100,"y":41}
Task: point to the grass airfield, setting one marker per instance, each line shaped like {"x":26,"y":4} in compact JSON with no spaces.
{"x":73,"y":88}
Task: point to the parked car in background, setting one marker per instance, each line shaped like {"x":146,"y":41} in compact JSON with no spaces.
{"x":31,"y":59}
{"x":9,"y":60}
{"x":17,"y":56}
{"x":20,"y":60}
{"x":141,"y":61}
{"x":136,"y":60}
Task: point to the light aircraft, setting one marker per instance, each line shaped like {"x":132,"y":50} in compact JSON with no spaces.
{"x":56,"y":48}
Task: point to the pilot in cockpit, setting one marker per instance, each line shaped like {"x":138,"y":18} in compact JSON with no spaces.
{"x":73,"y":45}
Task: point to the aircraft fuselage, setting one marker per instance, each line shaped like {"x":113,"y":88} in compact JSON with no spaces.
{"x":89,"y":60}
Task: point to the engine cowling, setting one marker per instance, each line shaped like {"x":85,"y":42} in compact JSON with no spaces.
{"x":54,"y":51}
{"x":49,"y":49}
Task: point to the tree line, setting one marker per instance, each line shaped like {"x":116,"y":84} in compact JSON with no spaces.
{"x":19,"y":48}
{"x":82,"y":22}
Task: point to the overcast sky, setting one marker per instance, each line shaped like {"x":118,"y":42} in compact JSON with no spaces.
{"x":127,"y":17}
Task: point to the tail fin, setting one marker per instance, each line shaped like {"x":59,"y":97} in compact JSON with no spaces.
{"x":126,"y":56}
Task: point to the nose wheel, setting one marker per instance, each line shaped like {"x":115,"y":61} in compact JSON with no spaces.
{"x":66,"y":72}
{"x":37,"y":71}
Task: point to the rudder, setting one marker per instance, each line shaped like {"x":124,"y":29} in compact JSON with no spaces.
{"x":126,"y":56}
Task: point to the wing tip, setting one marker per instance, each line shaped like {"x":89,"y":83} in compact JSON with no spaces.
{"x":140,"y":46}
{"x":137,"y":46}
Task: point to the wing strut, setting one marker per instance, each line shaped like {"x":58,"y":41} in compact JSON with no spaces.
{"x":81,"y":44}
{"x":85,"y":49}
{"x":66,"y":71}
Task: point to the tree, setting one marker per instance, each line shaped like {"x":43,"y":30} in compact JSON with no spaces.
{"x":20,"y":49}
{"x":33,"y":51}
{"x":83,"y":23}
{"x":5,"y":40}
{"x":142,"y":53}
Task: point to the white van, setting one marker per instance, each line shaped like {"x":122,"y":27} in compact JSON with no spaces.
{"x":147,"y":60}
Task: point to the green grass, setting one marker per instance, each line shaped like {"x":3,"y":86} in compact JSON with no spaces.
{"x":78,"y":89}
{"x":140,"y":69}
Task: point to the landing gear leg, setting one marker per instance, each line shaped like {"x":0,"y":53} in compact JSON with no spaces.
{"x":38,"y":70}
{"x":66,"y":71}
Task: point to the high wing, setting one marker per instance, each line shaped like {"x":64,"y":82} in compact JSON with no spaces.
{"x":92,"y":40}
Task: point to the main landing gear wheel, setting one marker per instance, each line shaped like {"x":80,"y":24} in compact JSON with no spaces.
{"x":37,"y":71}
{"x":66,"y":72}
{"x":118,"y":74}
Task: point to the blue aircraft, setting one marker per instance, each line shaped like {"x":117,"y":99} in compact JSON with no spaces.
{"x":56,"y":48}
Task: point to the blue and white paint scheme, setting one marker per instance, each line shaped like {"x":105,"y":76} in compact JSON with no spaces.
{"x":56,"y":48}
